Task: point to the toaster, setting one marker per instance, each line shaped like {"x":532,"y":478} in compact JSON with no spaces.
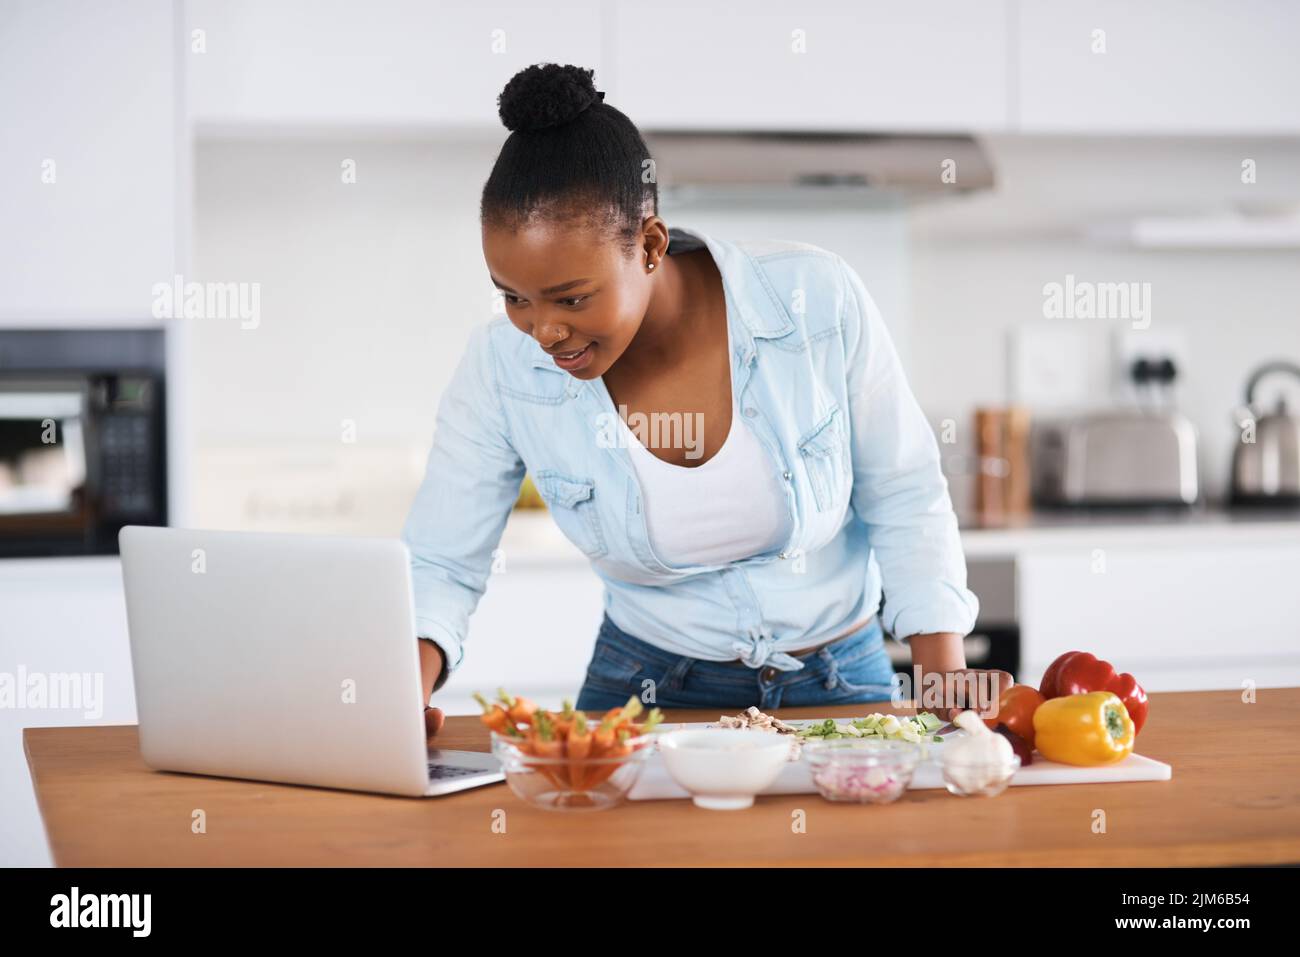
{"x":1122,"y":457}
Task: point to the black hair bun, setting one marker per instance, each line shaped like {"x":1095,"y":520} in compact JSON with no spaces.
{"x":545,"y":95}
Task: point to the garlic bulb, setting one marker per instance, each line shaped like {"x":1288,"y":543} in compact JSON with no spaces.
{"x":978,"y":759}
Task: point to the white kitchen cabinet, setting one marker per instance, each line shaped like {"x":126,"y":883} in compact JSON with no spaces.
{"x":1177,"y":615}
{"x":939,"y":67}
{"x":1169,"y":67}
{"x":822,"y":65}
{"x":88,"y":170}
{"x":58,"y":616}
{"x":533,"y":634}
{"x":379,"y":64}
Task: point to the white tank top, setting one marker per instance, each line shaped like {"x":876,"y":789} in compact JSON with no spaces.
{"x":731,"y":507}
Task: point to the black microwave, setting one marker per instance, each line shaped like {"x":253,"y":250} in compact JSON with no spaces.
{"x":82,"y":453}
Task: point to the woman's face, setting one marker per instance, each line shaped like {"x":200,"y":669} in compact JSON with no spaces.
{"x":572,"y":289}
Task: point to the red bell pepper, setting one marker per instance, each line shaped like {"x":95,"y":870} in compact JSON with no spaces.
{"x":1078,"y":672}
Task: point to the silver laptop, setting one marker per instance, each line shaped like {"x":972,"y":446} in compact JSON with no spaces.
{"x":286,"y":658}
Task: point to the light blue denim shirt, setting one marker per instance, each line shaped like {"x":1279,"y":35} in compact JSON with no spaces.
{"x":817,"y":378}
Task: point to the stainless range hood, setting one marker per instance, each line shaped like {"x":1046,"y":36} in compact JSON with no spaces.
{"x":910,"y":166}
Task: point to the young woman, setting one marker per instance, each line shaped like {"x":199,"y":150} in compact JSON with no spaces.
{"x":745,"y":542}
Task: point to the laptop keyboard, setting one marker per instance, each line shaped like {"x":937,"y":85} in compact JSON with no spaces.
{"x":441,"y":772}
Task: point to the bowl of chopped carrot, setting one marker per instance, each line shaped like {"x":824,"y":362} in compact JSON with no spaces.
{"x":568,"y":760}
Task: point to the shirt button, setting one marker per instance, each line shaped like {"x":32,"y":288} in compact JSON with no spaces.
{"x":784,"y":555}
{"x":786,"y":475}
{"x":750,"y":411}
{"x":769,"y":674}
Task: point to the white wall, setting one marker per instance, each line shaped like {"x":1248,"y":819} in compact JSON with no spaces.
{"x":368,"y":292}
{"x":978,"y":266}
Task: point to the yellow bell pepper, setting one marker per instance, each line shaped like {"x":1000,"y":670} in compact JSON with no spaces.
{"x":1084,"y":729}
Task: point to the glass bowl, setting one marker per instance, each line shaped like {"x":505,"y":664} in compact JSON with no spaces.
{"x":979,"y":778}
{"x":862,"y":771}
{"x":564,"y":784}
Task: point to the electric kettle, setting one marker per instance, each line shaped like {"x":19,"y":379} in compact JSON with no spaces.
{"x":1266,"y":461}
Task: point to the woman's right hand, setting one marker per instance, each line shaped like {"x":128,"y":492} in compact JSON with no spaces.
{"x":433,"y":718}
{"x":431,"y":665}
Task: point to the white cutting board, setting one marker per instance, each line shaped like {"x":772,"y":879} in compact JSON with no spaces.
{"x":796,"y":777}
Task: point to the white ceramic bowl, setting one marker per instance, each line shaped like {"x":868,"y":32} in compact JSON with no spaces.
{"x":723,"y":768}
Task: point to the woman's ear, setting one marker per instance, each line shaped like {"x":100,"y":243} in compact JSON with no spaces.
{"x":654,"y":243}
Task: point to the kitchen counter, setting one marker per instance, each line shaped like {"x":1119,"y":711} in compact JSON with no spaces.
{"x":532,"y":538}
{"x":1234,"y":799}
{"x":1205,"y":525}
{"x":1200,"y":516}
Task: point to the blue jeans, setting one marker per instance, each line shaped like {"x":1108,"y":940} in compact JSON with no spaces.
{"x":849,"y":670}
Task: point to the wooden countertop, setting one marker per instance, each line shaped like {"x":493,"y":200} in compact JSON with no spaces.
{"x":1234,"y":799}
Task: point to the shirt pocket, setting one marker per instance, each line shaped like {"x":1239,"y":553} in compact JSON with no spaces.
{"x":823,"y":449}
{"x":572,"y":504}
